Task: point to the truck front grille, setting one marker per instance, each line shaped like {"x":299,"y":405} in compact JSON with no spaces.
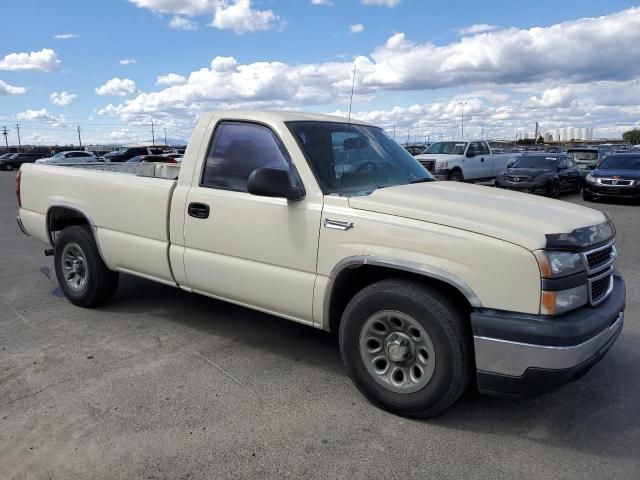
{"x":599,"y":262}
{"x":428,"y":164}
{"x":600,"y":288}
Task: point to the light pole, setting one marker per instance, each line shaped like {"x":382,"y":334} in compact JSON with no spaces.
{"x":462,"y":105}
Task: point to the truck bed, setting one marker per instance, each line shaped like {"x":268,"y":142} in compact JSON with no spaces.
{"x":127,"y":206}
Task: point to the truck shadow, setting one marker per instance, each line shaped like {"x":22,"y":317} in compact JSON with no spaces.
{"x":590,"y":416}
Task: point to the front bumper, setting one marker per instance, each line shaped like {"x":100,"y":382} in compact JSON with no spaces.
{"x":527,"y":187}
{"x":611,"y":191}
{"x":519,"y":354}
{"x":442,"y":174}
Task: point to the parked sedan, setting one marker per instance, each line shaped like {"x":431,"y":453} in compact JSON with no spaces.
{"x":74,"y":156}
{"x":547,"y":174}
{"x":16,"y":160}
{"x":617,"y":176}
{"x":151,"y":159}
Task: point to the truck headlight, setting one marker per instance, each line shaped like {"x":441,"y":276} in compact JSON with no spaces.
{"x":555,"y":303}
{"x":441,"y":165}
{"x":558,"y":264}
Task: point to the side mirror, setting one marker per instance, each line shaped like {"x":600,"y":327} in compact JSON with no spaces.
{"x":272,"y":182}
{"x":470,"y":154}
{"x":510,"y":164}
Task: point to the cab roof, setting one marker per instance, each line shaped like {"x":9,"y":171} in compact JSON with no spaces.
{"x":269,"y":116}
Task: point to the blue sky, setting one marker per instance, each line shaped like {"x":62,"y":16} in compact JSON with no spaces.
{"x":404,"y":53}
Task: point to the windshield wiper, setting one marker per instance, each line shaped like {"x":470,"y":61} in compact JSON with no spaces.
{"x":422,"y":180}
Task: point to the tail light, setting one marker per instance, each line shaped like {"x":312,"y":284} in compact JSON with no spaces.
{"x":18,"y":178}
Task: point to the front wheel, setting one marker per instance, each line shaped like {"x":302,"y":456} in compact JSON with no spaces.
{"x":8,"y":167}
{"x":552,"y":189}
{"x":406,"y":348}
{"x":83,"y":277}
{"x":456,"y":176}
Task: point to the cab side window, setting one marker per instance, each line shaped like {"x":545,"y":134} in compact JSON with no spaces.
{"x":239,"y":148}
{"x":562,"y":163}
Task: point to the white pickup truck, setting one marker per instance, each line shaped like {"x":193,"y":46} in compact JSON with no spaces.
{"x":430,"y":285}
{"x":464,"y":160}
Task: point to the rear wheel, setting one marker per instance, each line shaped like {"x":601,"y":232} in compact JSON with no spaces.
{"x":406,"y":348}
{"x":8,"y":167}
{"x":82,"y":275}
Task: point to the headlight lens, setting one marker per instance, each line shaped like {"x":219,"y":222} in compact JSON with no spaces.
{"x":559,"y":264}
{"x":441,"y":165}
{"x":591,"y":179}
{"x":555,"y":303}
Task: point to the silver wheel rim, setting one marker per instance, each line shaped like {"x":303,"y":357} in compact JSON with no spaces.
{"x":397,"y":351}
{"x":74,"y":267}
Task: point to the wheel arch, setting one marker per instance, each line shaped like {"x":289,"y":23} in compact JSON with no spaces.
{"x":61,"y":215}
{"x":352,"y":274}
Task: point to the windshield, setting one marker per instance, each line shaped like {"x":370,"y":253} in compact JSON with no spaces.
{"x":59,"y":155}
{"x":351,"y":160}
{"x":583,"y":155}
{"x":546,"y":163}
{"x":122,"y":151}
{"x":447,"y":148}
{"x":621,"y":162}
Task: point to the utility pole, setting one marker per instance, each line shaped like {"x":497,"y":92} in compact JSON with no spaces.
{"x":153,"y":134}
{"x":5,"y":133}
{"x":536,"y":134}
{"x":165,"y":136}
{"x":462,"y":105}
{"x":19,"y":144}
{"x":79,"y":139}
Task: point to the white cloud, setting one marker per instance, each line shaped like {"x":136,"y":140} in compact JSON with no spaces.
{"x":356,"y":28}
{"x":181,"y":23}
{"x":44,"y":60}
{"x":65,"y":36}
{"x":128,"y":61}
{"x":321,"y":2}
{"x":181,"y":7}
{"x":62,"y":99}
{"x":36,"y":115}
{"x":171,"y":79}
{"x":241,"y":18}
{"x":383,"y":3}
{"x":120,"y":87}
{"x":570,"y":72}
{"x":6,"y":89}
{"x":477,"y":28}
{"x":236,"y":15}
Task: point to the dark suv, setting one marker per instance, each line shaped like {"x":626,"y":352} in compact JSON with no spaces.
{"x":14,"y":161}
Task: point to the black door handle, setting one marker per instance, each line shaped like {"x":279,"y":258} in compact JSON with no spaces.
{"x":482,"y":159}
{"x":198,"y":210}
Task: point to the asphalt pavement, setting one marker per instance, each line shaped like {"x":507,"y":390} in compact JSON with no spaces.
{"x":163,"y":384}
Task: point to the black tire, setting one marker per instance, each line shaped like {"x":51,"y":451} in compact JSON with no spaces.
{"x":456,"y":175}
{"x":587,"y":196}
{"x":552,"y":189}
{"x":8,"y":167}
{"x":100,"y":284}
{"x":443,"y":323}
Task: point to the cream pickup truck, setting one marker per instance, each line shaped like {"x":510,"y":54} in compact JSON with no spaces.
{"x":430,"y":285}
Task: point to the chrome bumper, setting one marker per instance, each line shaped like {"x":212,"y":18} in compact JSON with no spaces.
{"x":505,"y":357}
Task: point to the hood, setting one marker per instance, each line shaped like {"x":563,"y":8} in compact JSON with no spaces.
{"x":519,"y":218}
{"x":526,"y":172}
{"x":622,"y":173}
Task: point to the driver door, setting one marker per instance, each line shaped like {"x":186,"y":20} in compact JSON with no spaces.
{"x":253,"y":250}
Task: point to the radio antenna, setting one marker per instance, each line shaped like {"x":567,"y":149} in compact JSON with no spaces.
{"x":353,"y":84}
